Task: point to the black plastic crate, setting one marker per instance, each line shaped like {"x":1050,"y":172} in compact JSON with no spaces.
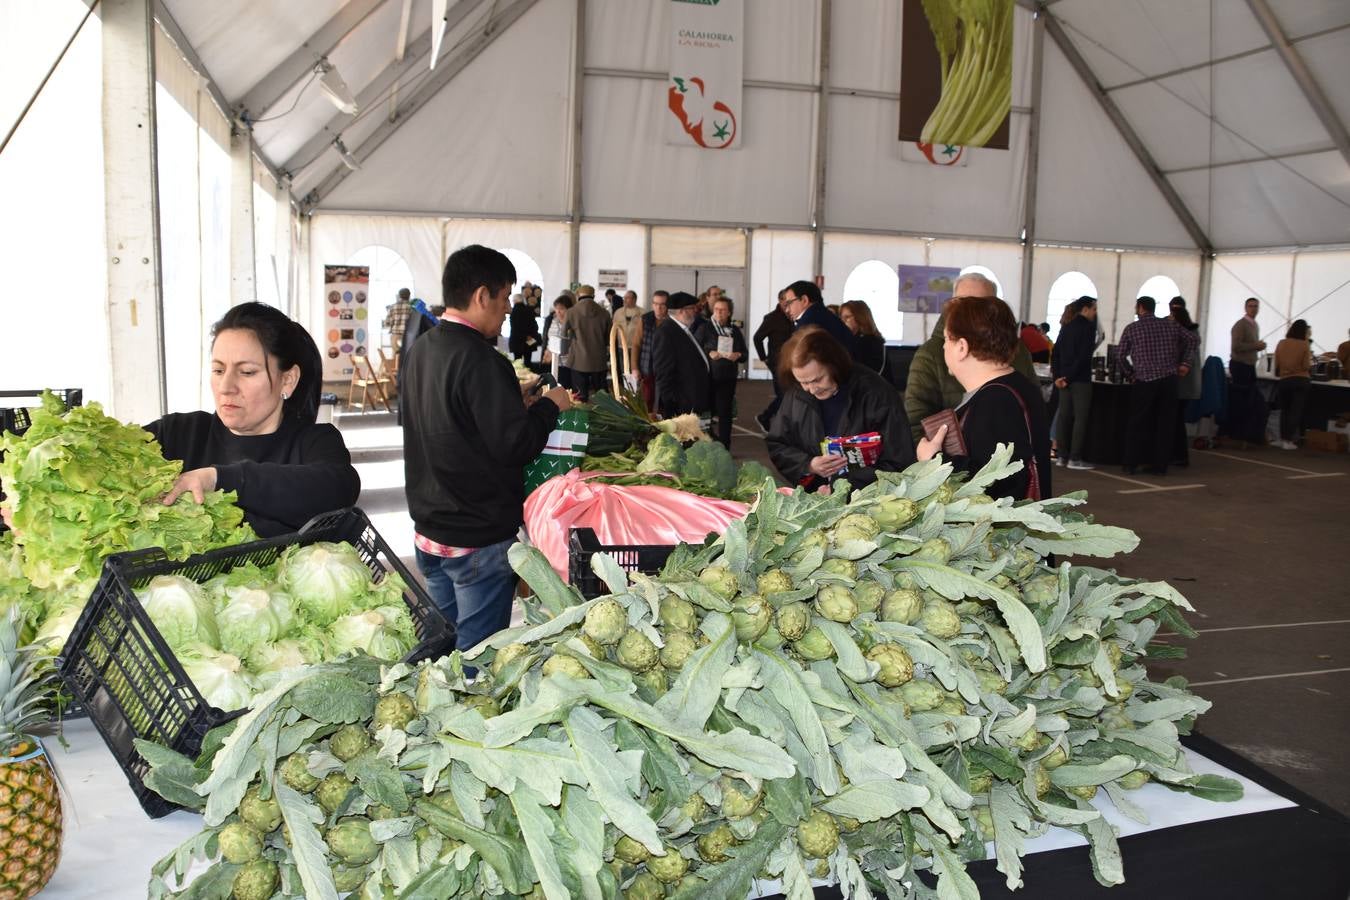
{"x":16,"y":418}
{"x":131,"y":685}
{"x":583,"y":543}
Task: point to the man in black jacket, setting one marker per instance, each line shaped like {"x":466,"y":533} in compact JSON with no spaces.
{"x":807,"y":307}
{"x":466,"y":440}
{"x":724,"y":343}
{"x":776,"y":328}
{"x":1071,"y":367}
{"x":681,"y":367}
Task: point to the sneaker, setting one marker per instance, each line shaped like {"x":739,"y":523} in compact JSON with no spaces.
{"x":1286,"y":445}
{"x":1080,"y":465}
{"x":1060,"y":461}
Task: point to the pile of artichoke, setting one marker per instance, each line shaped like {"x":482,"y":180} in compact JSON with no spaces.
{"x":869,"y":688}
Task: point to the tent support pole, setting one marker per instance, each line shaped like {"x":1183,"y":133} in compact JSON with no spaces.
{"x":1033,"y":164}
{"x":131,"y":213}
{"x":243,"y":252}
{"x":1293,"y":61}
{"x":1203,"y":290}
{"x":822,"y":140}
{"x":578,"y":101}
{"x":1132,"y":140}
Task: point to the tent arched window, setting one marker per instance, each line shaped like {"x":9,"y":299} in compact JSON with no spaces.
{"x":1160,"y":288}
{"x":878,"y":285}
{"x":987,"y":273}
{"x":388,"y":273}
{"x":1066,"y":289}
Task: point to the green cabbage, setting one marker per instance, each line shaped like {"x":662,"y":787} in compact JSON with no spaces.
{"x":287,"y":653}
{"x":251,"y":616}
{"x":180,"y":610}
{"x":220,"y":677}
{"x":326,"y":580}
{"x":384,"y":633}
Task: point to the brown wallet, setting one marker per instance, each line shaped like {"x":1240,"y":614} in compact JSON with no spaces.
{"x":954,"y":442}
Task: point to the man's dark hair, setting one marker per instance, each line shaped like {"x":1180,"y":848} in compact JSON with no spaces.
{"x":472,"y":267}
{"x":665,"y":294}
{"x":806,"y":289}
{"x":404,"y":294}
{"x":1148,"y":303}
{"x":289,"y":344}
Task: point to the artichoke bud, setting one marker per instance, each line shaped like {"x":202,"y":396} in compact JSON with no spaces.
{"x":351,"y":841}
{"x":836,"y":603}
{"x":696,"y":808}
{"x":505,"y":656}
{"x":636,"y":651}
{"x":332,"y":792}
{"x":792,"y":620}
{"x":1055,"y":758}
{"x":902,"y":605}
{"x":843,"y":568}
{"x":349,"y":742}
{"x":720,"y":580}
{"x":869,"y":595}
{"x":952,"y":706}
{"x":738,"y":803}
{"x":934,"y":550}
{"x":1028,"y":741}
{"x":751,"y":616}
{"x":486,"y":706}
{"x":679,"y":646}
{"x":257,"y":880}
{"x":678,"y":614}
{"x":854,"y":527}
{"x":940,"y":619}
{"x":240,"y":843}
{"x":894,"y":513}
{"x":396,"y":710}
{"x":813,"y":645}
{"x":984,"y":818}
{"x":670,"y":868}
{"x":921,"y":696}
{"x":605,"y":622}
{"x":774,"y":581}
{"x":644,"y":887}
{"x":630,"y":851}
{"x":296,"y":775}
{"x":896,"y":665}
{"x":818,"y":835}
{"x":1133,"y":781}
{"x":264,"y":816}
{"x":1083,"y":791}
{"x":713,"y":846}
{"x":567,"y":665}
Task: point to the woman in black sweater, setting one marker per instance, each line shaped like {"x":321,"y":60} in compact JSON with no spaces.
{"x":262,"y":442}
{"x":870,"y":347}
{"x":1001,"y":406}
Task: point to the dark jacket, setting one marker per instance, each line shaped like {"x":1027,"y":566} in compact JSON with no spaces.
{"x":1071,"y":357}
{"x":283,"y":479}
{"x":649,"y":328}
{"x":722,"y":370}
{"x":932,"y":388}
{"x":683,"y":376}
{"x":873,"y":405}
{"x":871,"y":351}
{"x":776,"y":328}
{"x":467,"y":438}
{"x":817,"y":314}
{"x":992,"y":416}
{"x":524,"y":325}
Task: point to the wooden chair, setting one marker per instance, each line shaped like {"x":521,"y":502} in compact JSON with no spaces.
{"x":364,"y":377}
{"x":388,"y":367}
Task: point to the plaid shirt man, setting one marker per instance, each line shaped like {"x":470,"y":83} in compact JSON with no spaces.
{"x":396,"y":321}
{"x":1151,"y":348}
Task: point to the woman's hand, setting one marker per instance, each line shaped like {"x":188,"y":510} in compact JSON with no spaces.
{"x":827,"y":466}
{"x":733,"y":356}
{"x":927,"y":448}
{"x":198,"y":483}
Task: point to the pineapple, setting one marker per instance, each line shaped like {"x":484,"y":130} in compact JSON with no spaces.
{"x":30,"y":807}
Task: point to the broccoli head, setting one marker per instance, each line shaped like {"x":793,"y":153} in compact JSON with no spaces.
{"x":664,"y":454}
{"x":749,"y":480}
{"x":709,"y":468}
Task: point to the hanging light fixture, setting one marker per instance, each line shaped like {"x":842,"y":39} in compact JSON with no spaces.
{"x":335,"y":87}
{"x":348,"y":160}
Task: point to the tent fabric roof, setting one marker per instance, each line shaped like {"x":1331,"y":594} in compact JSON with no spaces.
{"x":1211,"y":99}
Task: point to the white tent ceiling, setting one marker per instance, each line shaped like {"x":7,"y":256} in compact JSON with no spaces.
{"x":1214,"y":105}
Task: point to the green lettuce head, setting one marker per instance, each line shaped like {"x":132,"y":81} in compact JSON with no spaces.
{"x":180,"y":610}
{"x":385,"y":633}
{"x":327,"y":580}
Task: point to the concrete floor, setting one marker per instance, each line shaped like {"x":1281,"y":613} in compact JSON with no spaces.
{"x":1256,"y":539}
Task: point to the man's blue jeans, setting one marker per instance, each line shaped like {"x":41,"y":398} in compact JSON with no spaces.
{"x":474,"y":592}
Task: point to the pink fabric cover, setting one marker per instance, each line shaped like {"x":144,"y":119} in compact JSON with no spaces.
{"x":620,"y":514}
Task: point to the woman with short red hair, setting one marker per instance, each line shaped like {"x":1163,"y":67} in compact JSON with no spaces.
{"x":1001,"y":406}
{"x":825,"y":394}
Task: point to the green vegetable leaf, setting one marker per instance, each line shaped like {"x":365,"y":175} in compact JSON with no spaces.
{"x":507,"y":856}
{"x":537,"y":827}
{"x":1210,"y":787}
{"x":301,"y":815}
{"x":583,"y":836}
{"x":1105,"y":851}
{"x":334,"y":699}
{"x":788,"y":799}
{"x":876,"y":800}
{"x":1012,"y":824}
{"x":1087,"y":774}
{"x":379,"y":780}
{"x":533,"y":567}
{"x":696,"y":690}
{"x":662,"y":767}
{"x":604,"y":770}
{"x":734,"y":877}
{"x":782,"y":679}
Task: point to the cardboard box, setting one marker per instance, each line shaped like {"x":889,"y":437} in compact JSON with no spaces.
{"x":1326,"y":441}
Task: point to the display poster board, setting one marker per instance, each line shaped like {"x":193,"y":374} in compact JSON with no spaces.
{"x":346,"y":320}
{"x":955,"y":76}
{"x":612,"y":278}
{"x":925,"y":289}
{"x":707,"y":68}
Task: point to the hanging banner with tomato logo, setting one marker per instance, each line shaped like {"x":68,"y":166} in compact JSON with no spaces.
{"x":707,"y":66}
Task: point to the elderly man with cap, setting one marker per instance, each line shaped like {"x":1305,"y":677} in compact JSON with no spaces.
{"x":588,"y":326}
{"x":681,"y":368}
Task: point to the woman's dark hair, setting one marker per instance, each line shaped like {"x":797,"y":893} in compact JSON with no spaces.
{"x":813,"y":344}
{"x":290,"y":345}
{"x":1298,"y":330}
{"x":566,"y":301}
{"x":1183,"y":318}
{"x":862,"y":314}
{"x":987,"y":325}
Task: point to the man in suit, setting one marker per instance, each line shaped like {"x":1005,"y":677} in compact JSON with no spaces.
{"x":806,"y":306}
{"x":682,"y":369}
{"x":588,"y":324}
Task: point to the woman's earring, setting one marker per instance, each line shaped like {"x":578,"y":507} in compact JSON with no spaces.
{"x":285,"y":396}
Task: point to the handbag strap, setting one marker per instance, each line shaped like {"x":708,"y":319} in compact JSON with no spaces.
{"x":1033,"y":471}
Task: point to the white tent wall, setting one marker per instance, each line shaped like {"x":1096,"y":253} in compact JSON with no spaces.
{"x":612,"y":247}
{"x":1117,"y":276}
{"x":494,"y":140}
{"x":54,"y":312}
{"x":1310,"y":285}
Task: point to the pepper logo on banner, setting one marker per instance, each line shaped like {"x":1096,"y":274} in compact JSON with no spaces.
{"x":706,"y":73}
